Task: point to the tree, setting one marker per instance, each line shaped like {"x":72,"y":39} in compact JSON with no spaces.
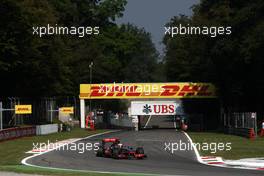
{"x":233,"y":63}
{"x":56,"y":65}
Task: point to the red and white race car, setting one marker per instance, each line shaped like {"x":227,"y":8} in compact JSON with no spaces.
{"x":116,"y":150}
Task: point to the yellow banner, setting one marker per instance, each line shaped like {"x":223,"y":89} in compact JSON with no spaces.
{"x":23,"y":109}
{"x":147,"y":90}
{"x":67,"y":110}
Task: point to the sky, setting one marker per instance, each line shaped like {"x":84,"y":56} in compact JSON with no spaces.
{"x":154,"y":14}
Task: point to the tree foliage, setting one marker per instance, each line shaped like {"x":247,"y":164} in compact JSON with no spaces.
{"x":234,"y":62}
{"x":56,"y":65}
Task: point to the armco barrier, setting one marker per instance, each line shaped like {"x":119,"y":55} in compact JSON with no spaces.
{"x":121,"y":123}
{"x":245,"y":132}
{"x":12,"y":133}
{"x":47,"y":129}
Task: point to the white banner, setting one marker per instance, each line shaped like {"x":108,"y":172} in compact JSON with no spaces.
{"x":154,"y":108}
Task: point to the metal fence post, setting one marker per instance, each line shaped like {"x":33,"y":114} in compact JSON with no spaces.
{"x":51,"y":111}
{"x":1,"y":116}
{"x":243,"y":120}
{"x":256,"y":126}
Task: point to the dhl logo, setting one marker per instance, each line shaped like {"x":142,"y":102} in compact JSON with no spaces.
{"x":153,"y":90}
{"x":67,"y":110}
{"x":23,"y":109}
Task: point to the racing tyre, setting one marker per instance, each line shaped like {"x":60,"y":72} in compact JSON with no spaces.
{"x":115,"y":153}
{"x":99,"y":152}
{"x":139,"y":150}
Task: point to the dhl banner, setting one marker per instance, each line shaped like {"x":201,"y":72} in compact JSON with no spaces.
{"x":147,"y":90}
{"x":67,"y":110}
{"x":23,"y":109}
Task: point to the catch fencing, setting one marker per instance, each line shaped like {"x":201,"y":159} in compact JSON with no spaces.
{"x":44,"y":110}
{"x":240,"y":123}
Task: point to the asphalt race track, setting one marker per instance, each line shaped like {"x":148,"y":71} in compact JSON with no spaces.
{"x":162,"y":122}
{"x":158,"y":161}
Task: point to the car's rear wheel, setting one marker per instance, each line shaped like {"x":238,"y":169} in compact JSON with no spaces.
{"x":139,"y":150}
{"x":115,"y":153}
{"x":99,"y":152}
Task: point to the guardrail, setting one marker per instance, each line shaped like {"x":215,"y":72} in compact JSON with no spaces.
{"x":122,"y":122}
{"x":13,"y":133}
{"x":244,"y":132}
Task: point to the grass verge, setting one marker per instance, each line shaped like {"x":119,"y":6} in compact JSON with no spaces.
{"x":240,"y":147}
{"x":13,"y":151}
{"x":40,"y":171}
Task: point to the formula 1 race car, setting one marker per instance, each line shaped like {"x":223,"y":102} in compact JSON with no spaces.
{"x":118,"y":151}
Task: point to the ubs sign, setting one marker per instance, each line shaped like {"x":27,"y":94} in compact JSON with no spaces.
{"x":154,"y":108}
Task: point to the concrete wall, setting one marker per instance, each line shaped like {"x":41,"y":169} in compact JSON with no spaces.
{"x":46,"y":129}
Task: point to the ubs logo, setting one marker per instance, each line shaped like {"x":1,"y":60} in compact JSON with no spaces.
{"x":159,"y":109}
{"x":147,"y":109}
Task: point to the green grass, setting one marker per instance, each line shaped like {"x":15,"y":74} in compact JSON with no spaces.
{"x":56,"y":172}
{"x":240,"y":147}
{"x":13,"y":151}
{"x":40,"y":171}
